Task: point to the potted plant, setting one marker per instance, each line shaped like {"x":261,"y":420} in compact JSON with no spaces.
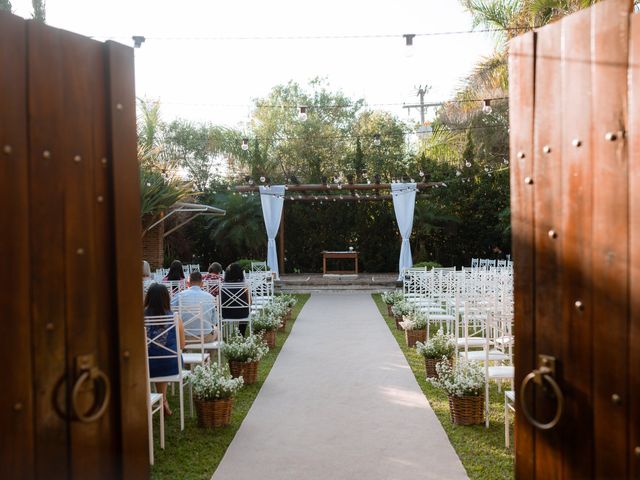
{"x":282,"y":306}
{"x":464,"y":385}
{"x":415,"y":327}
{"x":266,"y":324}
{"x":214,"y":390}
{"x":400,"y":310}
{"x":439,"y":348}
{"x":244,"y":355}
{"x":391,"y":298}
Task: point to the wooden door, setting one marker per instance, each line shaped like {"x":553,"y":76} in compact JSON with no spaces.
{"x":575,"y":182}
{"x":74,"y":396}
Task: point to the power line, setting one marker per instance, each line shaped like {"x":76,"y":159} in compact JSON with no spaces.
{"x":315,"y":37}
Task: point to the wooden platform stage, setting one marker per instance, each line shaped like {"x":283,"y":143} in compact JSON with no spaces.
{"x":309,"y":282}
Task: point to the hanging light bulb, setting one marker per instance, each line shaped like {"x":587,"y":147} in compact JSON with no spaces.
{"x":408,"y":42}
{"x":458,"y":173}
{"x":245,"y":144}
{"x":505,"y":161}
{"x":468,"y":164}
{"x":376,"y":140}
{"x":486,"y":107}
{"x":339,"y":186}
{"x":421,"y":173}
{"x":302,"y":114}
{"x":263,"y":179}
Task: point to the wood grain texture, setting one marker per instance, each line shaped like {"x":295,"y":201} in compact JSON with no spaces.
{"x":47,"y":246}
{"x":16,"y":409}
{"x":521,"y":107}
{"x":577,"y":181}
{"x":610,"y":253}
{"x":548,"y":218}
{"x":128,"y":259}
{"x":634,"y":249}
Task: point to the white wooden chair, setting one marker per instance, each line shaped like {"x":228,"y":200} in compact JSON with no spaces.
{"x":509,"y":406}
{"x":175,"y":286}
{"x":158,"y":331}
{"x":259,"y":266}
{"x":155,"y":404}
{"x":234,"y":296}
{"x":193,"y":319}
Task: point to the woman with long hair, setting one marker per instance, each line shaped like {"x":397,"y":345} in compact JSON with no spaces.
{"x":175,"y":271}
{"x":158,"y":303}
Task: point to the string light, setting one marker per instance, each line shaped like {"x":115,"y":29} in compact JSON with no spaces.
{"x":302,"y":114}
{"x":138,"y":40}
{"x":486,"y":107}
{"x":245,"y":144}
{"x":376,"y":140}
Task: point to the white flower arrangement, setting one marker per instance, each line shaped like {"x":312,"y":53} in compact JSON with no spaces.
{"x":402,"y":308}
{"x":414,"y":320}
{"x":391,"y":298}
{"x":213,"y":382}
{"x":438,"y":346}
{"x":275,"y":309}
{"x":241,"y":349}
{"x":465,"y":380}
{"x":288,"y":300}
{"x":267,"y":322}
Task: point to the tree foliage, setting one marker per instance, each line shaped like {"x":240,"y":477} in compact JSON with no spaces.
{"x":5,"y":5}
{"x":39,"y":10}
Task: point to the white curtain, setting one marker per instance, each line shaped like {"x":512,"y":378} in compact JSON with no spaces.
{"x":272,"y":199}
{"x":404,"y":201}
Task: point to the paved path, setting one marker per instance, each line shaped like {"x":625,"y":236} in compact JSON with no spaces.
{"x":340,"y":403}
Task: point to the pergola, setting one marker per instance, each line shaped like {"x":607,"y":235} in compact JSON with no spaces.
{"x":318,"y":192}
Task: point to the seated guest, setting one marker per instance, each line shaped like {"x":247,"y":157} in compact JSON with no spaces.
{"x":194,"y":296}
{"x":157,"y":303}
{"x":213,"y":275}
{"x":234,"y":308}
{"x":146,"y":271}
{"x":175,"y":271}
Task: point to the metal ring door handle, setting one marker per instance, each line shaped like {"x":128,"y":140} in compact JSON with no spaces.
{"x":541,"y":375}
{"x":99,"y":406}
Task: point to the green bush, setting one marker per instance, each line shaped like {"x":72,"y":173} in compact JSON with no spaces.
{"x":245,"y":263}
{"x":429,"y":265}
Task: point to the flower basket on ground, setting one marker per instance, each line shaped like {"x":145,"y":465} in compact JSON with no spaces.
{"x":464,"y":385}
{"x":400,"y":310}
{"x":439,"y":348}
{"x":415,"y":328}
{"x":244,"y":355}
{"x":266,"y":325}
{"x":281,"y":307}
{"x":391,"y":298}
{"x":214,"y":390}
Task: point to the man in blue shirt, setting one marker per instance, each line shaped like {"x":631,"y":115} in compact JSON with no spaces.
{"x":194,"y":296}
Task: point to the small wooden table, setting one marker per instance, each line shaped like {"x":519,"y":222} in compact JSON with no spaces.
{"x":349,"y":254}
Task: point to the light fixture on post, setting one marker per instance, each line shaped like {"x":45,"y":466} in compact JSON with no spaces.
{"x":302,"y":114}
{"x":138,"y":40}
{"x":376,"y":140}
{"x":486,"y":106}
{"x":408,"y":42}
{"x":245,"y":144}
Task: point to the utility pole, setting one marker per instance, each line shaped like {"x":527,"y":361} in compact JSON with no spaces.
{"x":422,"y":106}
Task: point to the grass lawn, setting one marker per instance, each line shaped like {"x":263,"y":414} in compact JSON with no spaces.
{"x":196,"y":452}
{"x":481,"y":450}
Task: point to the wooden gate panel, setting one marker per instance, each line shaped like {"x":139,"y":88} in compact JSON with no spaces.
{"x":547,"y":235}
{"x":46,"y":118}
{"x":634,"y":249}
{"x":128,"y":246}
{"x":610,"y":236}
{"x":575,"y":325}
{"x":16,"y":402}
{"x":521,"y":107}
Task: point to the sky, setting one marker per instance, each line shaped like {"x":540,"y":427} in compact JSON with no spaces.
{"x":217,"y":80}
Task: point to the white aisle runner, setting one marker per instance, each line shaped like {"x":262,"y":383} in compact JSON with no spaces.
{"x":340,"y":403}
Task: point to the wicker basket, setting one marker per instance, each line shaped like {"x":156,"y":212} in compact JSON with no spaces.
{"x":247,"y":370}
{"x":430,"y":366}
{"x":283,"y":326}
{"x":269,"y":337}
{"x":214,"y":413}
{"x":466,"y":410}
{"x":287,"y":317}
{"x":413,"y":336}
{"x":398,"y":319}
{"x":389,"y":312}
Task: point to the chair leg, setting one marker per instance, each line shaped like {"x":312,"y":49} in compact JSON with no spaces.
{"x":150,"y":418}
{"x":486,"y":403}
{"x":162,"y":423}
{"x":191,"y":399}
{"x":506,"y":423}
{"x":181,"y":394}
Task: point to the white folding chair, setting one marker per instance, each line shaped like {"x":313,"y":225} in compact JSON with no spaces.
{"x":259,"y":266}
{"x":509,"y":405}
{"x":159,"y":330}
{"x":175,"y":286}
